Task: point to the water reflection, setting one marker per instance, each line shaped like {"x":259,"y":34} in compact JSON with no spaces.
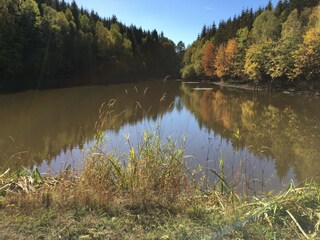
{"x":265,"y":139}
{"x":284,"y":128}
{"x":39,"y":125}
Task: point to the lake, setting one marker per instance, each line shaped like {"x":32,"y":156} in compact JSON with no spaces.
{"x":266,"y":140}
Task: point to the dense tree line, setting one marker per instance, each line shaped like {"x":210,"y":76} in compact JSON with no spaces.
{"x":273,"y":43}
{"x":42,"y":41}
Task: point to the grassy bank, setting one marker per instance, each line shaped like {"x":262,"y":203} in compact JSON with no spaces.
{"x":150,"y":195}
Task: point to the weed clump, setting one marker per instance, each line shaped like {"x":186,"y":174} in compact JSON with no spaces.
{"x":151,"y":174}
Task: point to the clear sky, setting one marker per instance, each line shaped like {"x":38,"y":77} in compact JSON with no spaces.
{"x":178,"y":19}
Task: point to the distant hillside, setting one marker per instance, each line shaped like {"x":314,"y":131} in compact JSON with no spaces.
{"x":53,"y":43}
{"x":272,"y":43}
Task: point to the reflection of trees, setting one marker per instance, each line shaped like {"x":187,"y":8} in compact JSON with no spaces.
{"x":283,"y":127}
{"x":39,"y":125}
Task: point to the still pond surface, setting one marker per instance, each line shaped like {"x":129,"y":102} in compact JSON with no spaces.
{"x":266,"y":140}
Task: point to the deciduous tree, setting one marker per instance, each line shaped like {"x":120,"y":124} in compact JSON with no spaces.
{"x":257,"y":60}
{"x":266,"y":26}
{"x":307,"y":60}
{"x":220,"y":64}
{"x":239,"y":60}
{"x":282,"y":62}
{"x":231,"y":52}
{"x":208,"y":60}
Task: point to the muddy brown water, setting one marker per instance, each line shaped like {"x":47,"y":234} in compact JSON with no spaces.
{"x":266,"y":140}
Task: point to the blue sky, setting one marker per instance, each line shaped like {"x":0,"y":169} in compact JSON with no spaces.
{"x":178,"y":19}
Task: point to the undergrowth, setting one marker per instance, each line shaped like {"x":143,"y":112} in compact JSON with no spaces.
{"x":149,"y":194}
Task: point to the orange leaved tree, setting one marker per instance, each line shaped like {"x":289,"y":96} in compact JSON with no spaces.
{"x":208,"y":60}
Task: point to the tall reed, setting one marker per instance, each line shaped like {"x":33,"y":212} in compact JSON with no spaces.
{"x":153,"y":172}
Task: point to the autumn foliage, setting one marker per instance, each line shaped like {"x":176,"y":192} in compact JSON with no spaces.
{"x":281,"y":43}
{"x":308,"y":59}
{"x":208,"y":60}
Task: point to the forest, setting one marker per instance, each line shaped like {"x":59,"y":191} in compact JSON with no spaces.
{"x":280,"y":44}
{"x":50,"y":43}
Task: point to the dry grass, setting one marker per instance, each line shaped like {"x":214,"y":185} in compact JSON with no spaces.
{"x":293,"y":214}
{"x":147,"y":195}
{"x":152,"y":175}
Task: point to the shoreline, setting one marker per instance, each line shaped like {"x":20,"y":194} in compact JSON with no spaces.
{"x":239,"y":86}
{"x":289,"y":91}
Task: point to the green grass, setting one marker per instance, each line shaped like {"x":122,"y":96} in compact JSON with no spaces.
{"x":149,"y":195}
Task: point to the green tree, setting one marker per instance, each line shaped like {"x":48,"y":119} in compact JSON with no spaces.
{"x":192,"y":60}
{"x":104,"y":40}
{"x":70,"y":19}
{"x":264,"y":35}
{"x":197,"y":59}
{"x":188,"y":72}
{"x":283,"y":54}
{"x":19,"y":36}
{"x":254,"y":62}
{"x":85,"y":25}
{"x":30,"y":13}
{"x":307,"y":61}
{"x":266,"y":26}
{"x":180,"y":49}
{"x":239,"y":59}
{"x":10,"y":48}
{"x":56,"y":21}
{"x":257,"y":60}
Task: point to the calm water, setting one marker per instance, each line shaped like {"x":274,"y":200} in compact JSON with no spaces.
{"x":266,"y":140}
